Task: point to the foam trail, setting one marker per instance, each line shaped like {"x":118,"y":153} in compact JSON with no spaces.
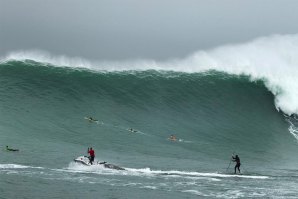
{"x":17,"y":166}
{"x":148,"y":171}
{"x":98,"y":169}
{"x":273,"y":59}
{"x":13,"y":166}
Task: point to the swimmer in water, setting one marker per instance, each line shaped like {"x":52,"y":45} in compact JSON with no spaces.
{"x":91,"y":119}
{"x":173,"y":138}
{"x":132,"y":130}
{"x":9,"y":149}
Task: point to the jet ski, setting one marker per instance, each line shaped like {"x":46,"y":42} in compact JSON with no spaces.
{"x":85,"y":161}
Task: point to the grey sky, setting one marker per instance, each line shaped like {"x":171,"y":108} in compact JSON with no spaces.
{"x":133,"y":29}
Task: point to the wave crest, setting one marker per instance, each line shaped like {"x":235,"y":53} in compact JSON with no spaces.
{"x":273,"y":59}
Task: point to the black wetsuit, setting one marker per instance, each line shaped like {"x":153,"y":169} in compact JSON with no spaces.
{"x":237,"y":160}
{"x":91,"y":158}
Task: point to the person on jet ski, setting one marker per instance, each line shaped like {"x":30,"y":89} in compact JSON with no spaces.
{"x":92,"y":155}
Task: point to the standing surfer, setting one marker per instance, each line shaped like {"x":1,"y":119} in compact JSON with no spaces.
{"x":237,"y":160}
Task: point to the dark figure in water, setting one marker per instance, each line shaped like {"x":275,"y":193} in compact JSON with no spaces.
{"x":173,"y":138}
{"x":9,"y":149}
{"x":92,"y":155}
{"x":92,"y":120}
{"x":237,"y":160}
{"x":132,"y":130}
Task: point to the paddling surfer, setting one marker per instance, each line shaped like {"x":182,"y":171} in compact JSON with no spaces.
{"x":9,"y":149}
{"x":91,"y":119}
{"x":132,"y":130}
{"x":172,"y":138}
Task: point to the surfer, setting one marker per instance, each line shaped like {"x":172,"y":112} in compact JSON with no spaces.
{"x":9,"y":149}
{"x":173,"y":138}
{"x":91,"y":119}
{"x":132,"y":130}
{"x":92,"y":155}
{"x":237,"y":160}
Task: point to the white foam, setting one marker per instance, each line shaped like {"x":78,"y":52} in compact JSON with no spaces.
{"x":149,"y":187}
{"x":293,"y":129}
{"x":273,"y":59}
{"x":195,"y":192}
{"x":99,"y":169}
{"x":79,"y":167}
{"x":45,"y":57}
{"x":148,"y":171}
{"x":13,"y":166}
{"x":16,"y":166}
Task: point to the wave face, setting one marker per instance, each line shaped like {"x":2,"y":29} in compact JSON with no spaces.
{"x":212,"y":114}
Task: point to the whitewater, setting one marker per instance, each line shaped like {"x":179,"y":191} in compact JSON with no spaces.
{"x":235,"y":99}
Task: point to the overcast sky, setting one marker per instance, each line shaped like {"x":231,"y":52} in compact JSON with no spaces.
{"x":136,"y":29}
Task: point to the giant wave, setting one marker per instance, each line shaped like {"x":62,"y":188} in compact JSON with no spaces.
{"x":272,"y":59}
{"x":216,"y":102}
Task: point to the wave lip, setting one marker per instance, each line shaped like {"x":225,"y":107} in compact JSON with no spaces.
{"x":272,"y":59}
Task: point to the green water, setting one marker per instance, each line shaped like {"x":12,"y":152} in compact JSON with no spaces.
{"x":212,"y":114}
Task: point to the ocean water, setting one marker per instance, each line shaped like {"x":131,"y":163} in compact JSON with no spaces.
{"x":213,"y":111}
